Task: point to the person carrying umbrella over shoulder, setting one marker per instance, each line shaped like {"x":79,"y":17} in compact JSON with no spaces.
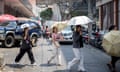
{"x":55,"y":37}
{"x":77,"y":45}
{"x":114,"y":59}
{"x":26,"y":46}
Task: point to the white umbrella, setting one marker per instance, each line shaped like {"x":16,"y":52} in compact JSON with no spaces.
{"x":79,"y":20}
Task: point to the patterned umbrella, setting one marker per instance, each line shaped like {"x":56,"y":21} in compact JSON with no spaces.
{"x":7,"y":17}
{"x":111,"y":43}
{"x":59,"y":25}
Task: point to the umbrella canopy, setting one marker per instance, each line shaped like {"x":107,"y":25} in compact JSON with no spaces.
{"x":111,"y":43}
{"x":79,"y":20}
{"x":6,"y":17}
{"x":59,"y":25}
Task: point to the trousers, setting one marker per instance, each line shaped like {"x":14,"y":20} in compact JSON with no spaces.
{"x":21,"y":54}
{"x":57,"y":54}
{"x":78,"y":59}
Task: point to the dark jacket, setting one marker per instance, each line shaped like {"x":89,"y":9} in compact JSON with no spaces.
{"x":77,"y":40}
{"x":26,"y":44}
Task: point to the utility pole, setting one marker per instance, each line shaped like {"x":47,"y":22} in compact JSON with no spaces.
{"x":90,"y":15}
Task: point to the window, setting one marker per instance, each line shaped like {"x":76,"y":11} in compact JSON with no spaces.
{"x":13,"y":23}
{"x":4,"y":24}
{"x":108,"y":15}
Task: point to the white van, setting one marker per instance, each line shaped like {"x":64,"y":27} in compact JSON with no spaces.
{"x":67,"y":34}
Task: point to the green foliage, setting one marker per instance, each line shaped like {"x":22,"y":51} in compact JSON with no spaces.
{"x":78,"y":13}
{"x":46,"y":14}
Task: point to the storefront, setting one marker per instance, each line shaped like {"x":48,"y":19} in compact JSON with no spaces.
{"x":15,"y":7}
{"x":1,"y":7}
{"x":108,"y":13}
{"x":119,"y":14}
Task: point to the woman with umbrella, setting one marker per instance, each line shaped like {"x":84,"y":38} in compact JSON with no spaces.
{"x":77,"y":45}
{"x":26,"y":46}
{"x":114,"y":59}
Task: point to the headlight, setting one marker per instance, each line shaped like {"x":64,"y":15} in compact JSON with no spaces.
{"x":2,"y":31}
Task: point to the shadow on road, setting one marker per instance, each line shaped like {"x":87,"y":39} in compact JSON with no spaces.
{"x":72,"y":70}
{"x":50,"y":50}
{"x":61,"y":71}
{"x":15,"y":65}
{"x":65,"y":71}
{"x":46,"y":65}
{"x":9,"y":48}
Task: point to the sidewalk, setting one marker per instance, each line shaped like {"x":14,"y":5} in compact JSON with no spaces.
{"x":42,"y":52}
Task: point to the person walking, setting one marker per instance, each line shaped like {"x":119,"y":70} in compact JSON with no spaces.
{"x":47,"y":33}
{"x":57,"y":54}
{"x":114,"y":59}
{"x":26,"y":46}
{"x":77,"y":45}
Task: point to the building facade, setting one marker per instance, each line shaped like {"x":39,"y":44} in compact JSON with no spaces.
{"x":109,"y":13}
{"x":18,"y":8}
{"x":1,"y":7}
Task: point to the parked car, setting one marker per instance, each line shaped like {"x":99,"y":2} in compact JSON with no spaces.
{"x":97,"y":38}
{"x":67,"y":34}
{"x":11,"y":32}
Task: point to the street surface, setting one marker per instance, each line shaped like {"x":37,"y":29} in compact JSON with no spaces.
{"x":95,"y":60}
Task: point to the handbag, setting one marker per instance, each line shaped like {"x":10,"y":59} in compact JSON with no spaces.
{"x":25,"y":45}
{"x":57,"y":44}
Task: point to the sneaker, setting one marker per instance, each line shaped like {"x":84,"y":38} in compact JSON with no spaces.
{"x":59,"y":64}
{"x":16,"y":63}
{"x":82,"y":70}
{"x":34,"y":64}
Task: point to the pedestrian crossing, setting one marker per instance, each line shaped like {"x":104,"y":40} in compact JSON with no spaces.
{"x":42,"y":53}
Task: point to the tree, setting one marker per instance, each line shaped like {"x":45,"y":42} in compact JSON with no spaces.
{"x":47,"y":14}
{"x":78,"y":13}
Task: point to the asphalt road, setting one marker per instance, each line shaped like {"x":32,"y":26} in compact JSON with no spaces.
{"x":95,"y":60}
